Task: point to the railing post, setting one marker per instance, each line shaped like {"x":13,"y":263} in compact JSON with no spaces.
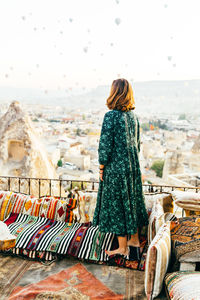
{"x":29,"y":186}
{"x":8,"y":183}
{"x":60,"y":187}
{"x":39,"y":187}
{"x":151,"y":188}
{"x":50,"y":187}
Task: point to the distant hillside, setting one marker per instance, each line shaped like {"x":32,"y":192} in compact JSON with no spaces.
{"x":151,"y":96}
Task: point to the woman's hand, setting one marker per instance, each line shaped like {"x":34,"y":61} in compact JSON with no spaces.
{"x":101,"y":167}
{"x":101,"y":175}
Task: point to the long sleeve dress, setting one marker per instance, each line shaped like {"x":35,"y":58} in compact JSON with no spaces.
{"x":120,"y":207}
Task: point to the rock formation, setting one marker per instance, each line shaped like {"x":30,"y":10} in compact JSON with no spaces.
{"x":196,"y":146}
{"x":173,"y":163}
{"x":21,"y":152}
{"x":195,"y":157}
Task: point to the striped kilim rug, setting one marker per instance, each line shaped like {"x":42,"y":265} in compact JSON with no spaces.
{"x":44,"y":238}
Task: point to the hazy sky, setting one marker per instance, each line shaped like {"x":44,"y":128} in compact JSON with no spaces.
{"x":62,"y":44}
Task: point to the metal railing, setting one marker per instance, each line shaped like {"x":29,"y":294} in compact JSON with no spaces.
{"x":39,"y":187}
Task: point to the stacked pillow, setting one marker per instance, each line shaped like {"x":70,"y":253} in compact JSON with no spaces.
{"x":87,"y":204}
{"x":59,"y":209}
{"x":6,"y":204}
{"x":164,"y":198}
{"x":183,"y":285}
{"x":157,"y":261}
{"x":187,"y":200}
{"x":19,"y":201}
{"x":72,"y":213}
{"x":157,"y":212}
{"x":31,"y":206}
{"x":48,"y":208}
{"x":54,"y":208}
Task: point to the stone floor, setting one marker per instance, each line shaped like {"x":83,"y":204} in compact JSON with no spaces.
{"x":68,"y":279}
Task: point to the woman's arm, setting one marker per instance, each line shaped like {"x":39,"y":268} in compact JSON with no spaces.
{"x":138,"y":135}
{"x":106,"y":140}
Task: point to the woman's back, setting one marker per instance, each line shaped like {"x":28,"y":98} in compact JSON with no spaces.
{"x":119,"y":142}
{"x":120,"y":202}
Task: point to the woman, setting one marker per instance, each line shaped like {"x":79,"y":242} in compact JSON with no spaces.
{"x":120,"y":207}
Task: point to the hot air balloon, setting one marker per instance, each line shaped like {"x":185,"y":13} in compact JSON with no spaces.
{"x":117,"y":21}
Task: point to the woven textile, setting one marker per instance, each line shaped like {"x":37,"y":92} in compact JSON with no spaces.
{"x":61,"y":209}
{"x":70,"y":212}
{"x":158,"y":256}
{"x":5,"y":204}
{"x":187,"y":200}
{"x":157,"y":212}
{"x":183,"y":285}
{"x":186,"y":236}
{"x":40,"y":235}
{"x":48,"y":207}
{"x":163,"y":219}
{"x":31,"y":206}
{"x":87,"y":204}
{"x":189,"y":213}
{"x":19,"y":201}
{"x":164,"y":198}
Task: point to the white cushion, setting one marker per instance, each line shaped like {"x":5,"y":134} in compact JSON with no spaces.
{"x":157,"y":261}
{"x":187,"y":200}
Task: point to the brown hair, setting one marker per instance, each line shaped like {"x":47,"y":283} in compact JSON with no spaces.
{"x":121,"y":96}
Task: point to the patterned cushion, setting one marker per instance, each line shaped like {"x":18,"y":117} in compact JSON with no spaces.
{"x":5,"y":204}
{"x":163,"y":219}
{"x":29,"y":206}
{"x":71,"y":216}
{"x":36,"y":208}
{"x":183,"y":285}
{"x":186,"y":236}
{"x":164,"y":198}
{"x":48,"y":207}
{"x":189,"y":213}
{"x":61,"y":210}
{"x":19,"y":201}
{"x":91,"y":199}
{"x":87,"y":204}
{"x":157,"y":261}
{"x":187,"y":200}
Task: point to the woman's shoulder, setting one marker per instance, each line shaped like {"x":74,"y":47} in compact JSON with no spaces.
{"x":112,"y":114}
{"x":135,"y":116}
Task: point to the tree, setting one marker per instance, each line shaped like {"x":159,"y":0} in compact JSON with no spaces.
{"x":145,"y":126}
{"x":182,"y":117}
{"x":78,"y":131}
{"x":59,"y":163}
{"x":157,"y":166}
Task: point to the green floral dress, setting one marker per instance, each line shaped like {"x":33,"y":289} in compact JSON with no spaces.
{"x":120,"y":207}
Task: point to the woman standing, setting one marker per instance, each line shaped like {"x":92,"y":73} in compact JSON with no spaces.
{"x":120,"y":207}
